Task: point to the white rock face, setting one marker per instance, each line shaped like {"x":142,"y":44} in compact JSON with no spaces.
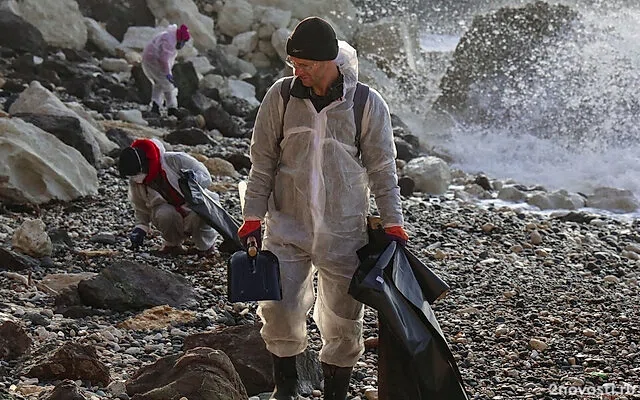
{"x":279,"y":42}
{"x":235,"y":17}
{"x":115,"y":65}
{"x":511,"y":193}
{"x":612,"y":199}
{"x":31,"y":238}
{"x":99,"y":36}
{"x":430,"y":174}
{"x":60,"y":21}
{"x":136,"y":37}
{"x":342,"y":14}
{"x":36,"y":167}
{"x":38,"y":100}
{"x":246,"y":42}
{"x":133,"y":116}
{"x":242,"y":90}
{"x":186,"y":12}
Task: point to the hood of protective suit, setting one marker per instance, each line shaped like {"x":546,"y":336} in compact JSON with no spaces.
{"x":347,"y":62}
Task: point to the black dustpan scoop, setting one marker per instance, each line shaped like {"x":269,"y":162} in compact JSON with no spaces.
{"x":253,"y":275}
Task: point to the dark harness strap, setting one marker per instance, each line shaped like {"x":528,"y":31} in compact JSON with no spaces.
{"x":359,"y":100}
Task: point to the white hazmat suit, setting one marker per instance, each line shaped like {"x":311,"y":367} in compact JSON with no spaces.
{"x":312,"y":189}
{"x":158,"y":58}
{"x":150,"y":207}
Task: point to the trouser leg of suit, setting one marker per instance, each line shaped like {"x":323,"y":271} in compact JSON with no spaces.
{"x":171,"y":95}
{"x":284,"y":327}
{"x":170,"y":223}
{"x":203,"y":234}
{"x":338,"y":315}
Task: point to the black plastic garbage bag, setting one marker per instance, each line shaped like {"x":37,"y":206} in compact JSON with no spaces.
{"x":200,"y":201}
{"x":390,"y":280}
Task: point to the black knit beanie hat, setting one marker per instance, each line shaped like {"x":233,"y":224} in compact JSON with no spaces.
{"x":313,"y":39}
{"x":132,"y":161}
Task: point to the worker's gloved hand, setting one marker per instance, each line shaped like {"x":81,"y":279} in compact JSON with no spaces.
{"x":170,"y":79}
{"x":137,"y":236}
{"x":252,"y":228}
{"x":397,"y":234}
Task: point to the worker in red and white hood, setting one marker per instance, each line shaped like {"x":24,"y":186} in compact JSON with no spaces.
{"x":156,"y":197}
{"x":158,"y":58}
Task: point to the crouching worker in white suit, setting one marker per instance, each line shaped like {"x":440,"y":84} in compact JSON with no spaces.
{"x":156,"y":197}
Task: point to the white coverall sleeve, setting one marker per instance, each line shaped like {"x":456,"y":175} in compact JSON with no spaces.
{"x":179,"y":161}
{"x":378,"y":156}
{"x":264,"y":153}
{"x":143,"y":201}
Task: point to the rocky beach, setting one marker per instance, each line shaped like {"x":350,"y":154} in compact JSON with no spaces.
{"x":544,"y":284}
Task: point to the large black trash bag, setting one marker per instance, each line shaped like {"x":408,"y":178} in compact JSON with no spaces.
{"x":400,"y":287}
{"x":200,"y":201}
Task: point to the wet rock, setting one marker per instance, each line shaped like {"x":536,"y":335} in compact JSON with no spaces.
{"x":127,"y":286}
{"x":494,"y":46}
{"x":65,"y":390}
{"x":239,"y":161}
{"x":14,"y":341}
{"x":249,"y":355}
{"x":70,"y":361}
{"x":16,"y":261}
{"x":189,"y":136}
{"x":217,"y":117}
{"x":187,"y":82}
{"x":118,"y":15}
{"x":405,"y":150}
{"x":65,"y":128}
{"x":12,"y":26}
{"x":200,"y":374}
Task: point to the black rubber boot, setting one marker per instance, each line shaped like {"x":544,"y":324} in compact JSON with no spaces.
{"x":173,"y":111}
{"x":336,"y":381}
{"x":155,"y":108}
{"x":285,"y":376}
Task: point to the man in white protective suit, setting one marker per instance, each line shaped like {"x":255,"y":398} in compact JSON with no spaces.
{"x":310,"y":183}
{"x":157,"y":199}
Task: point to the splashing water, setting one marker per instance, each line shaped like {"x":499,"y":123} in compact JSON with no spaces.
{"x":577,"y":115}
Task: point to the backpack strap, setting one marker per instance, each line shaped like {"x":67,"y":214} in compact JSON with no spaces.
{"x":284,"y":92}
{"x":359,"y":100}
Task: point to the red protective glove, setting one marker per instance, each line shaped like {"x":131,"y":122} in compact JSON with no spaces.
{"x":397,"y":234}
{"x":251,"y":229}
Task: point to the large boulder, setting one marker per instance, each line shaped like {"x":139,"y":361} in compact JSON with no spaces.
{"x":200,"y":374}
{"x":118,"y":15}
{"x":186,"y":12}
{"x":250,"y":357}
{"x":126,"y":286}
{"x":13,"y":26}
{"x":100,"y":37}
{"x":38,"y":100}
{"x":430,"y":174}
{"x":342,"y":14}
{"x":70,"y":361}
{"x":36,"y":167}
{"x":496,"y":55}
{"x":60,"y":21}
